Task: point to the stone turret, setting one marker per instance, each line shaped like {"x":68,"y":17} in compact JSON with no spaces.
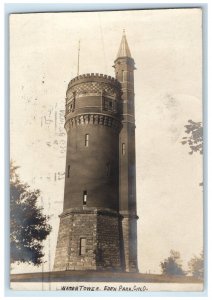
{"x":124,"y":69}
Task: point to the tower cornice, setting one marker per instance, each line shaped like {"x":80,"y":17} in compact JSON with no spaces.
{"x":124,"y":59}
{"x":90,"y":210}
{"x":93,"y":119}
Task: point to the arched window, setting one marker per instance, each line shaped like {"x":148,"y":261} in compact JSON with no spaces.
{"x":82,"y":246}
{"x":108,"y":169}
{"x":122,"y":75}
{"x":86,"y":140}
{"x":123,"y":148}
{"x":68,"y":171}
{"x":85,"y":197}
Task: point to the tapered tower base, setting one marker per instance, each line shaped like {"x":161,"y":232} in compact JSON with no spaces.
{"x":88,"y":240}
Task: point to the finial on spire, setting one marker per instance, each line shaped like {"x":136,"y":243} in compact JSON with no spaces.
{"x":124,"y":50}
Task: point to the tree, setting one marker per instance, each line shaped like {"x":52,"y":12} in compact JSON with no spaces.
{"x":28,"y":225}
{"x":172,"y":265}
{"x":195,"y":138}
{"x":196,"y":266}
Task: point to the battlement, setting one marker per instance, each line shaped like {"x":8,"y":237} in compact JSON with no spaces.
{"x":93,"y":77}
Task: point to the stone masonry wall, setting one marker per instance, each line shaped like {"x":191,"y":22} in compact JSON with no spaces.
{"x":108,"y":247}
{"x":72,"y":228}
{"x":83,"y":226}
{"x":101,"y":232}
{"x":61,"y":256}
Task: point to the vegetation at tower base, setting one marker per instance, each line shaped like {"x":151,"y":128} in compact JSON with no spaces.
{"x":195,"y":138}
{"x":195,"y":142}
{"x":28,"y":225}
{"x":196,"y":266}
{"x":172,"y":265}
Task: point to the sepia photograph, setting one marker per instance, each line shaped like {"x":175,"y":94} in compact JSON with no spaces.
{"x":106,"y":151}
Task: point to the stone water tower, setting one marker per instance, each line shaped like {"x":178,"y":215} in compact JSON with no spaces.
{"x":98,"y":223}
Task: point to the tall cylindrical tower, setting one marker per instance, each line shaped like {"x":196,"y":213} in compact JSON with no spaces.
{"x":89,"y":225}
{"x":98,"y":228}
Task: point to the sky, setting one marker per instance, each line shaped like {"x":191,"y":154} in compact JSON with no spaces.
{"x":166,"y":47}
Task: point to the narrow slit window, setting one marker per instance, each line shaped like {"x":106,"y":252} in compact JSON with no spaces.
{"x":110,"y":105}
{"x":86,"y":140}
{"x":85,"y":197}
{"x":82,"y":246}
{"x":131,"y":76}
{"x":123,"y":148}
{"x":122,"y":75}
{"x":68,"y":171}
{"x":108,"y":169}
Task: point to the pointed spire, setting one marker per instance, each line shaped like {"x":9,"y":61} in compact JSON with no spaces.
{"x":124,"y":50}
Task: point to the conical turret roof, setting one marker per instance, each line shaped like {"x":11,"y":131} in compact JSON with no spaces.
{"x":124,"y":50}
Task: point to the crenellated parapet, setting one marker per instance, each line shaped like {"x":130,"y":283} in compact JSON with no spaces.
{"x":93,"y":119}
{"x":93,"y":93}
{"x":92,"y":85}
{"x":93,"y":77}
